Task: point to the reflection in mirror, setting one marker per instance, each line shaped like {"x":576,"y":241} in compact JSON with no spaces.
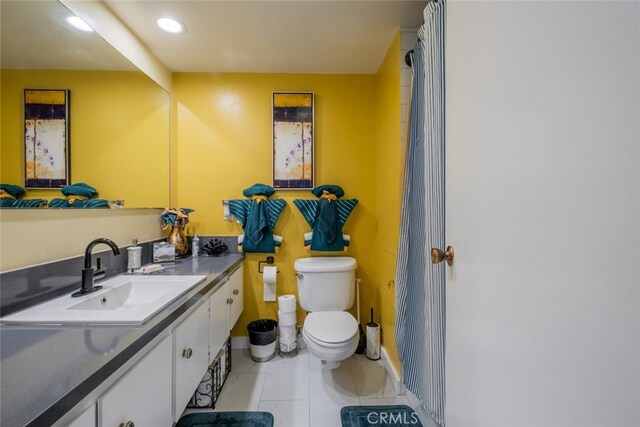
{"x":118,"y":117}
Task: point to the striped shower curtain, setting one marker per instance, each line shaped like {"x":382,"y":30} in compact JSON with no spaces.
{"x":420,"y":290}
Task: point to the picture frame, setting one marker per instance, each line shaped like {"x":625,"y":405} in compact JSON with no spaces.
{"x":46,"y":138}
{"x":293,"y":140}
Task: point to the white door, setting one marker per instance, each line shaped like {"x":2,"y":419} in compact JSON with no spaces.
{"x":543,"y":210}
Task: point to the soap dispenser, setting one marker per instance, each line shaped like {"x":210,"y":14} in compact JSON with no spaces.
{"x":134,"y":256}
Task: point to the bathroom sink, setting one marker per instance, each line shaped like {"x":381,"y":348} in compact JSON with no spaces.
{"x":124,"y":300}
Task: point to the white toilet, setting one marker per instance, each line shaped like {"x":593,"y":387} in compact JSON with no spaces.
{"x":326,"y":288}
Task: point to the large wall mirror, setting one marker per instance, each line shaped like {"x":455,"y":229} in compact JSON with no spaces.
{"x":118,"y":117}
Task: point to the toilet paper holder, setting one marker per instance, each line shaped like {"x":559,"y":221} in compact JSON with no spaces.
{"x":268,"y":261}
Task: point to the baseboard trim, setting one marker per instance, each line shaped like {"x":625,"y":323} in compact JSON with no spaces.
{"x":416,"y":404}
{"x":393,"y":373}
{"x":239,"y":343}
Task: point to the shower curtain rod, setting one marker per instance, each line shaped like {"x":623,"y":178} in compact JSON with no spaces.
{"x":407,"y":57}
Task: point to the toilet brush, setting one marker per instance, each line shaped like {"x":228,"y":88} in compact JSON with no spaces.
{"x":362,"y":342}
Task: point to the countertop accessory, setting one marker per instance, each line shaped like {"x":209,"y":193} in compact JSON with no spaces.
{"x":134,"y":256}
{"x":215,"y":247}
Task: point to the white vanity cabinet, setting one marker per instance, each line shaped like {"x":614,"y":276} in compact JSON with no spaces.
{"x":191,"y":355}
{"x":226,"y":307}
{"x":156,"y":390}
{"x":143,"y":395}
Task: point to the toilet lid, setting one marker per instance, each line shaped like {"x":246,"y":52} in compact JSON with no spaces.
{"x":331,"y":326}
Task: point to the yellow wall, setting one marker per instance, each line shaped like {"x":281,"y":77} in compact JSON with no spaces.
{"x":119,"y":134}
{"x":223,"y":145}
{"x":388,"y":185}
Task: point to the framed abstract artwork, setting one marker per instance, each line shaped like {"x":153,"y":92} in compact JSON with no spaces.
{"x":46,"y":138}
{"x":292,"y":121}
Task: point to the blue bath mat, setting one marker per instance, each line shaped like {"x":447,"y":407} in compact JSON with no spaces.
{"x":378,"y":416}
{"x":227,"y":419}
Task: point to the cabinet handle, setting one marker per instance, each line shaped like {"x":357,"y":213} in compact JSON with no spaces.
{"x":186,"y":353}
{"x":236,"y":292}
{"x":229,"y":300}
{"x":127,"y":424}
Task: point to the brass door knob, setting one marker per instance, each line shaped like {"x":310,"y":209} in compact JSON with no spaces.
{"x":437,"y":256}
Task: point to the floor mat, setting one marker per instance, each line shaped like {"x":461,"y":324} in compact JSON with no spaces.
{"x":379,"y":416}
{"x":227,"y":419}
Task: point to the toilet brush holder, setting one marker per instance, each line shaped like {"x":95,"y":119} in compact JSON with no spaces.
{"x":373,"y":339}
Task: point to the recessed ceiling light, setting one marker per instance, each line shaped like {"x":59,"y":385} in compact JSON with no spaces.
{"x":170,"y":25}
{"x":78,"y":23}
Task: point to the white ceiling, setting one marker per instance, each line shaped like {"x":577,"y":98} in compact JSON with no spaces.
{"x":34,"y":35}
{"x":304,"y":36}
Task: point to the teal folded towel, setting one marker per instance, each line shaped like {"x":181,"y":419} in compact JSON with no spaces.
{"x":330,"y":188}
{"x":258,"y":190}
{"x":22,"y":203}
{"x":257,"y":222}
{"x":327,"y":226}
{"x":80,"y":204}
{"x":169,"y":217}
{"x":79,"y":189}
{"x":14,"y":190}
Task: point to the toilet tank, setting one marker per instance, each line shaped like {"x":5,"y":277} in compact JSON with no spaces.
{"x":326,"y":283}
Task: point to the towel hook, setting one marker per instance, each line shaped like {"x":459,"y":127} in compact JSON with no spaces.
{"x":268,"y":261}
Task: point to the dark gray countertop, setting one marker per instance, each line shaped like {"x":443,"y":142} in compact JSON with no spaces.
{"x":46,"y":370}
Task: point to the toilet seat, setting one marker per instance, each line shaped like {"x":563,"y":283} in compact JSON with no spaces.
{"x":330,"y":328}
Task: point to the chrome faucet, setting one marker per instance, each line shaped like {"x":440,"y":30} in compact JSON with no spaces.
{"x":88,"y":272}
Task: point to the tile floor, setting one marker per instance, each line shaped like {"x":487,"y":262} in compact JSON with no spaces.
{"x":300,"y":393}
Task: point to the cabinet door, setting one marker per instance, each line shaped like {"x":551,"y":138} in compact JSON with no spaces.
{"x":237,"y":297}
{"x":142,"y":395}
{"x":85,"y":419}
{"x":219,"y":319}
{"x":191,"y":354}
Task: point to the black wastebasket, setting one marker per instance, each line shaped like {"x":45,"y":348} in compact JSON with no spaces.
{"x":262,"y":339}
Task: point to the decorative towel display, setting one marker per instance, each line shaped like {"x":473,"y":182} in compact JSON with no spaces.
{"x":258,"y":216}
{"x":11,"y":197}
{"x":79,"y":195}
{"x":326,"y":217}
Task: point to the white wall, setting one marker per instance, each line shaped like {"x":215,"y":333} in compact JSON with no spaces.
{"x":543,"y":209}
{"x":35,"y":236}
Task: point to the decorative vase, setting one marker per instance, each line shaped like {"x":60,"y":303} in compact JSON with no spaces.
{"x":178,"y":238}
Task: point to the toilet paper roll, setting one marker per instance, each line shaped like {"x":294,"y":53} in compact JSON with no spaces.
{"x":287,"y":303}
{"x":287,"y":319}
{"x":287,"y":335}
{"x":269,"y":281}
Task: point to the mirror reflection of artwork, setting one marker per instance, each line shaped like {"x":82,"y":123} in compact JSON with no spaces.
{"x":46,"y":132}
{"x":292,"y":140}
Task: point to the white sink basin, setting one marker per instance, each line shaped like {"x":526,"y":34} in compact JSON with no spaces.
{"x":125,"y":300}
